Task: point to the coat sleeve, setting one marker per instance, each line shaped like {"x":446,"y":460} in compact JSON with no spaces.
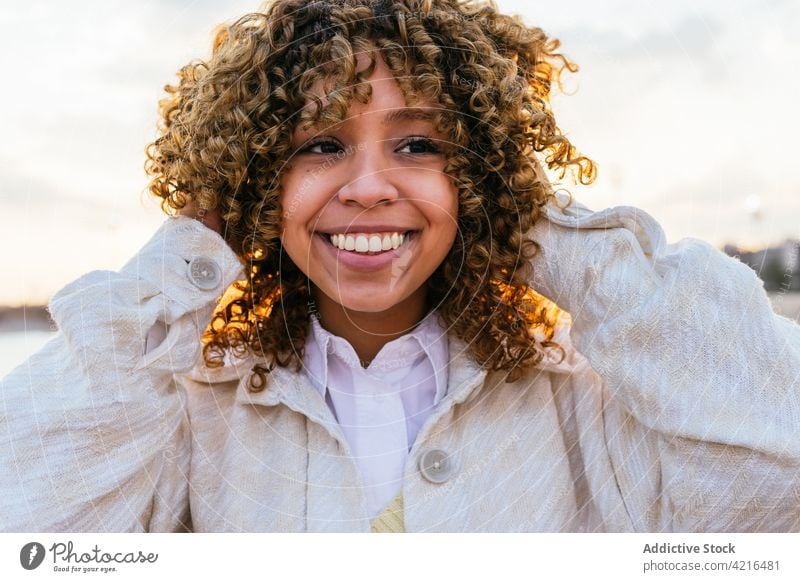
{"x":93,"y":431}
{"x":701,"y":378}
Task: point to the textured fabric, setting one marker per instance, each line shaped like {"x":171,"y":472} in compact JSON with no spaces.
{"x":677,"y":407}
{"x":390,"y":520}
{"x":380,"y":409}
{"x":87,"y":424}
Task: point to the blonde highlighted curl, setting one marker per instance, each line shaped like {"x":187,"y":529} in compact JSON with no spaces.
{"x":224,"y":138}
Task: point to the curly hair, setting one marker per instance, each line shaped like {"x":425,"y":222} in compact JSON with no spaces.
{"x":224,"y":137}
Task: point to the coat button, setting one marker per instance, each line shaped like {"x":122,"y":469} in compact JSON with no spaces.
{"x":436,"y":466}
{"x":205,"y":273}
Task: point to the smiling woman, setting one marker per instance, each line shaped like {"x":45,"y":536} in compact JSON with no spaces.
{"x":472,"y":351}
{"x":373,"y":225}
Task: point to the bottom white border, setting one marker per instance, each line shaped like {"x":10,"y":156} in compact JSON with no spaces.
{"x":405,"y":557}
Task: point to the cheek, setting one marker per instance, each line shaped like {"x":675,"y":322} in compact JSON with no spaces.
{"x":297,"y":200}
{"x":297,"y":184}
{"x":291,"y":221}
{"x":290,"y":200}
{"x":297,"y":246}
{"x":446,"y":206}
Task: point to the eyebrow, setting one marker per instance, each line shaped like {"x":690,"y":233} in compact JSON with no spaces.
{"x":405,"y":114}
{"x":410,"y":114}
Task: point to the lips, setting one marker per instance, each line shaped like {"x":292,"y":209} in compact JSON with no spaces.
{"x":368,"y":244}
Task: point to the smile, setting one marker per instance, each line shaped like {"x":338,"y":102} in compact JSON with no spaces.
{"x":367,"y":261}
{"x":374,"y":243}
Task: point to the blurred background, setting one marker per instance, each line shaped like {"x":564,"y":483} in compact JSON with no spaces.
{"x":688,"y":108}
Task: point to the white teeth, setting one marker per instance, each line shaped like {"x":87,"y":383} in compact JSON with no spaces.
{"x":362,"y":245}
{"x":364,"y":242}
{"x":375,"y":243}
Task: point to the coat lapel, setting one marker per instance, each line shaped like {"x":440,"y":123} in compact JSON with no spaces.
{"x":295,"y":391}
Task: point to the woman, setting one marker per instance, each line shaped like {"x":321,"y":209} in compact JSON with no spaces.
{"x":366,"y":181}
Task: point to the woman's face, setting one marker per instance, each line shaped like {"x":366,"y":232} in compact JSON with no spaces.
{"x":367,"y":180}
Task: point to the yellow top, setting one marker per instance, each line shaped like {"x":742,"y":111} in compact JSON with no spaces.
{"x":390,"y":520}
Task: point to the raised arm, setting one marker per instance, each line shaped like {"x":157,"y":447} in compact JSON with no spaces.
{"x":703,"y":417}
{"x":93,"y":432}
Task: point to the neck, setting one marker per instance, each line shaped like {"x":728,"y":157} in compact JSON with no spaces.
{"x":367,"y":331}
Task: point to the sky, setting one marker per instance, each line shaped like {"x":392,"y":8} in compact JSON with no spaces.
{"x":686,"y":106}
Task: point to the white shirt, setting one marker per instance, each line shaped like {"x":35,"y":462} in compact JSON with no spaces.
{"x":381,"y":408}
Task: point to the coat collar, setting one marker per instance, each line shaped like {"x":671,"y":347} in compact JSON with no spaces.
{"x":465,"y":380}
{"x":428,"y":337}
{"x":295,"y":390}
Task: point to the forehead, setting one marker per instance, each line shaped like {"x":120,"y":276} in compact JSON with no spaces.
{"x":387,"y":99}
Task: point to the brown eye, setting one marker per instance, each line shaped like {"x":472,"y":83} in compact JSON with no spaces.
{"x":322,"y":146}
{"x":421,"y":145}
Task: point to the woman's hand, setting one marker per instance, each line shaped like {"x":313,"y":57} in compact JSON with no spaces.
{"x":211,"y":218}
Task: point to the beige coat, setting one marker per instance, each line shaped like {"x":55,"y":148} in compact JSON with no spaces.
{"x":687,"y":418}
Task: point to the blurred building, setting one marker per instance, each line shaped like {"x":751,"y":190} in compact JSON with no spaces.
{"x":778,"y":266}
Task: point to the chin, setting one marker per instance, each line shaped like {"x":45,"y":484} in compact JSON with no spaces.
{"x":368,"y":298}
{"x":366,"y":305}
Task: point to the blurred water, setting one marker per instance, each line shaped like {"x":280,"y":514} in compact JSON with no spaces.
{"x":16,"y":346}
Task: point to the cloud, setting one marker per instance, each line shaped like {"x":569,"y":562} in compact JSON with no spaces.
{"x":687,"y":106}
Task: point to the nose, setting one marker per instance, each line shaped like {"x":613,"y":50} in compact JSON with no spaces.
{"x":371,"y":180}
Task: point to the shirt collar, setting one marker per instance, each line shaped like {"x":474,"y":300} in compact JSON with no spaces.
{"x":429,"y":337}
